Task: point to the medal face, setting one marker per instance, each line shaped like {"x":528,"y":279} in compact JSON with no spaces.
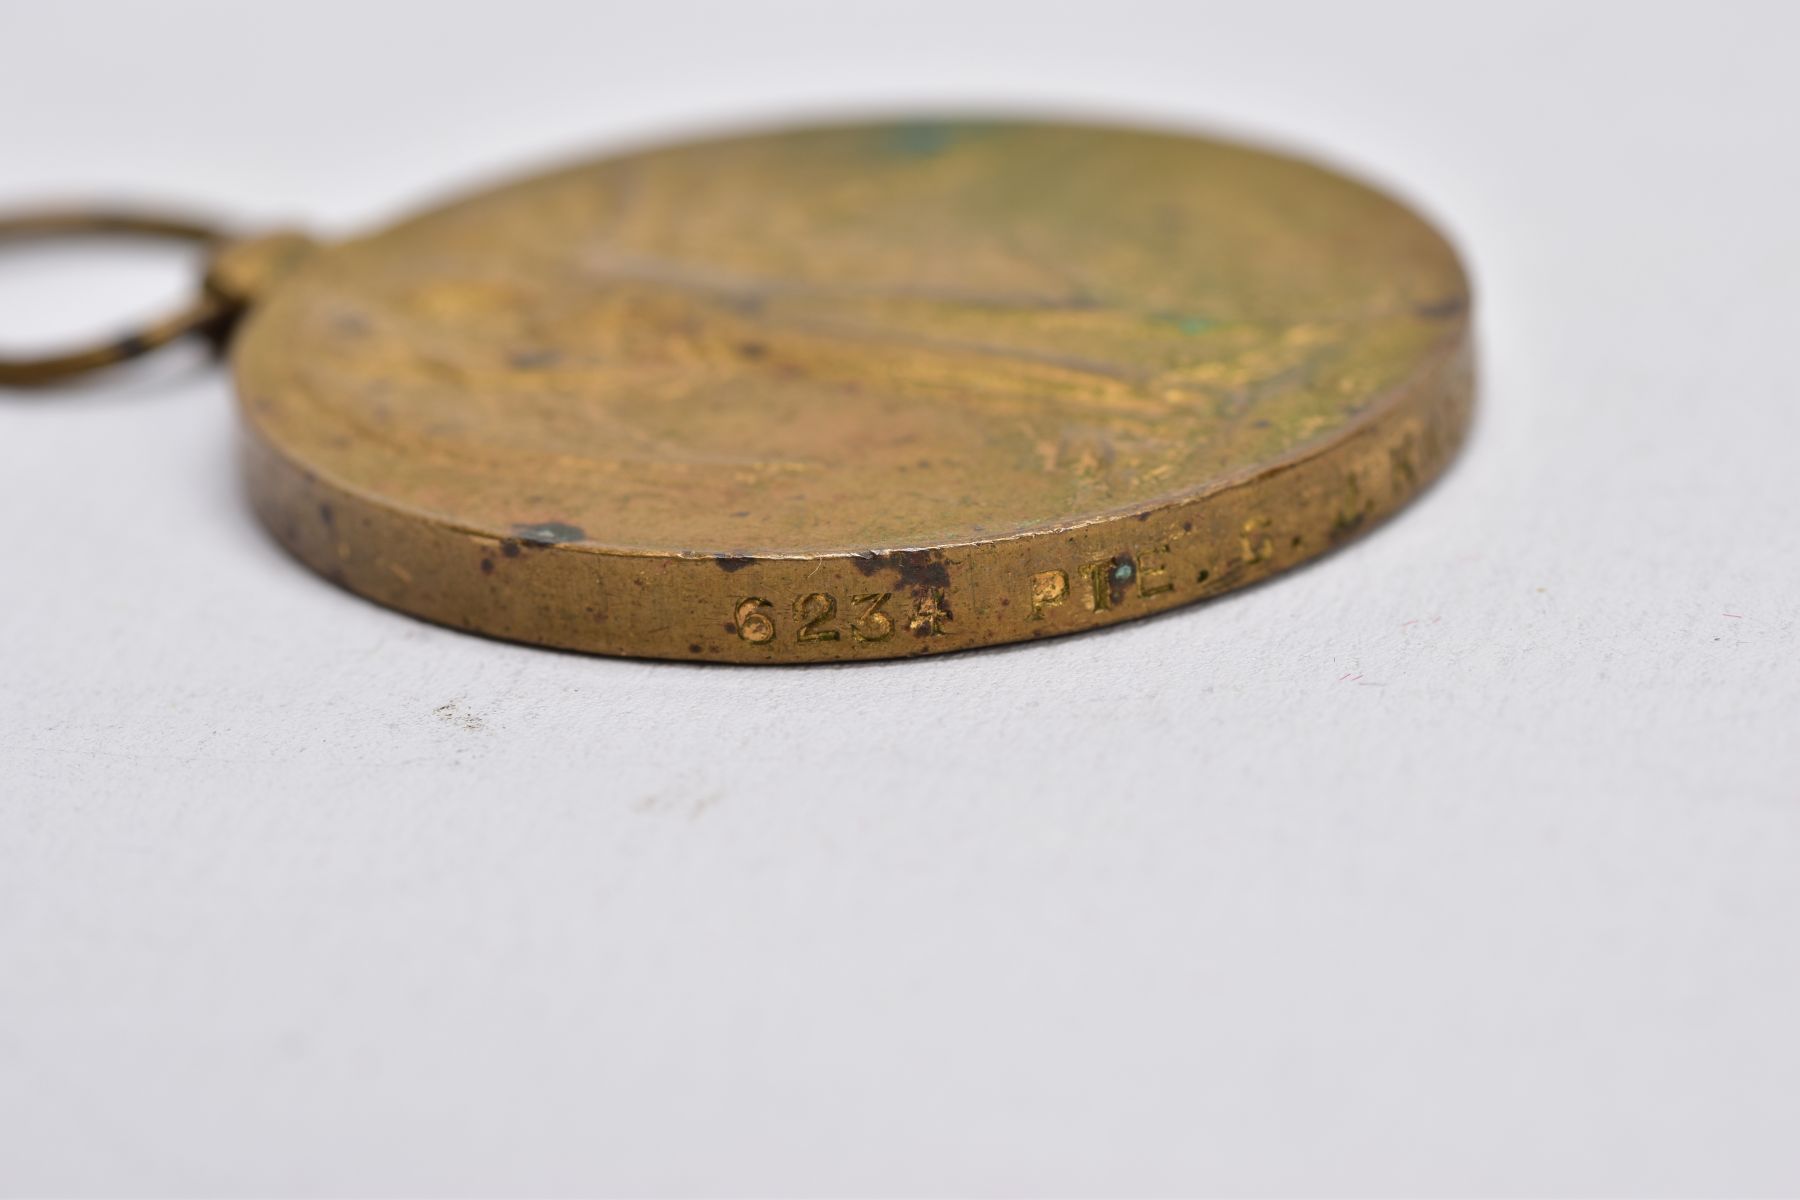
{"x":855,"y":392}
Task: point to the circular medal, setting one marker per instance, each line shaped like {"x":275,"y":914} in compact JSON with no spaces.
{"x":850,"y":392}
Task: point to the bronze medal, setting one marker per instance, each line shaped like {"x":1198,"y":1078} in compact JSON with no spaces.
{"x":844,"y":392}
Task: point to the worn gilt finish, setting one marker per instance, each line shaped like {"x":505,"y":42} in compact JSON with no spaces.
{"x":852,"y":392}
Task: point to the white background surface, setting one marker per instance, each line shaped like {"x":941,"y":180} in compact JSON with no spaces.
{"x":1465,"y":861}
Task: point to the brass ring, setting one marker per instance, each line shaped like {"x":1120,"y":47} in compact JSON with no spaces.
{"x":201,"y":315}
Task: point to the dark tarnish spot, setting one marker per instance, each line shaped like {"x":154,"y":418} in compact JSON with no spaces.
{"x":1143,"y":516}
{"x":549,"y":533}
{"x":1443,"y":310}
{"x":1121,"y":577}
{"x":753,"y":350}
{"x":326,"y":515}
{"x":509,"y":548}
{"x":131,"y":347}
{"x":732,"y":562}
{"x":487,"y":566}
{"x":916,"y":569}
{"x":1346,"y":524}
{"x":533,"y":360}
{"x":1187,"y":527}
{"x":693,"y":647}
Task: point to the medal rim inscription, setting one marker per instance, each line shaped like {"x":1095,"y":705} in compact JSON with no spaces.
{"x":544,"y":584}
